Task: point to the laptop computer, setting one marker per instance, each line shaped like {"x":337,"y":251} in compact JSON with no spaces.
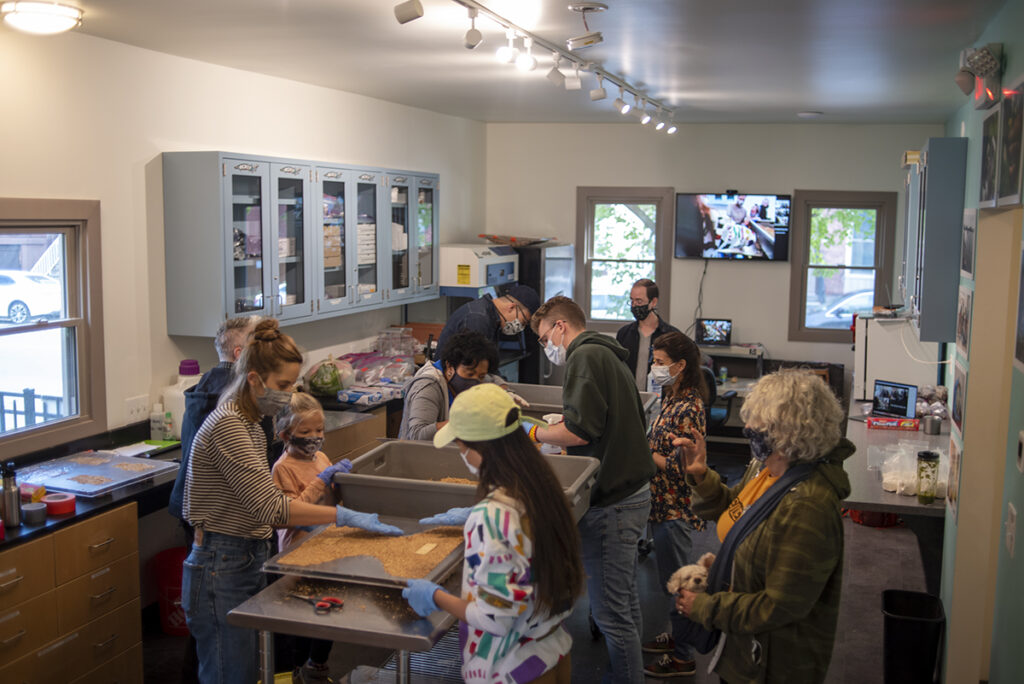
{"x":894,"y":399}
{"x":715,"y":332}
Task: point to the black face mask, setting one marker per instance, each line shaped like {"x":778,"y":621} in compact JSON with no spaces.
{"x":640,"y":311}
{"x":460,"y":384}
{"x":760,"y":444}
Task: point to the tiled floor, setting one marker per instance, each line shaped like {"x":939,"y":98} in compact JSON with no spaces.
{"x":875,"y":559}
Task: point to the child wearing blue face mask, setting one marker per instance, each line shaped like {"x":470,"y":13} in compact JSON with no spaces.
{"x":304,"y":473}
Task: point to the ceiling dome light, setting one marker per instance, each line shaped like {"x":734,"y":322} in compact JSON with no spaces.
{"x":507,"y":53}
{"x":41,"y":18}
{"x":526,"y":61}
{"x":621,"y":104}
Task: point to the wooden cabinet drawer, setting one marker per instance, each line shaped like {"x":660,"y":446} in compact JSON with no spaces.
{"x":28,"y":626}
{"x":106,"y":637}
{"x":95,"y":543}
{"x":97,"y":593}
{"x":123,"y":669}
{"x":26,"y":571}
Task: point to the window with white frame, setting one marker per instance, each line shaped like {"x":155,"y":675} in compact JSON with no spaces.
{"x":51,"y":341}
{"x":842,"y":260}
{"x":622,"y":235}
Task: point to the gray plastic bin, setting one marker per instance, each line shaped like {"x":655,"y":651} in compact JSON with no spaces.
{"x":411,"y":471}
{"x":546,"y":399}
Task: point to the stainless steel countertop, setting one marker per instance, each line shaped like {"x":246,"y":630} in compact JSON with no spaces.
{"x":371,"y":616}
{"x":335,"y":420}
{"x":866,"y":485}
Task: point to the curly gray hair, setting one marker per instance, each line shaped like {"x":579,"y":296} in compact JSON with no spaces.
{"x":799,"y":412}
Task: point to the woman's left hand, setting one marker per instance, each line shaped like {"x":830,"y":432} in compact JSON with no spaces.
{"x":684,"y":602}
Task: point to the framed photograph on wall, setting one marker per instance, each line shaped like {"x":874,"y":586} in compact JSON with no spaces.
{"x":953,"y":483}
{"x":967,"y":243}
{"x":1018,"y":347}
{"x":1011,"y":152}
{"x":959,"y":403}
{"x":963,"y":321}
{"x":989,"y":159}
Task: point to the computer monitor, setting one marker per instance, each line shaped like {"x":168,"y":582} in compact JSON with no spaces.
{"x":894,"y":400}
{"x":716,"y":332}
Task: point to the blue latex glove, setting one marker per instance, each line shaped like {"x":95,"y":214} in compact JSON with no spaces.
{"x":365,"y":521}
{"x":453,"y":516}
{"x":342,"y":466}
{"x":420,"y":595}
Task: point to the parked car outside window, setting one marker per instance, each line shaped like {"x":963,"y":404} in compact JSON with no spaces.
{"x":25,"y":295}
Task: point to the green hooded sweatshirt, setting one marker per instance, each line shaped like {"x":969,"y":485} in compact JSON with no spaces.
{"x":601,"y":405}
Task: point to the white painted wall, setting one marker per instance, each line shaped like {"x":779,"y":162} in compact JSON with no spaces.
{"x":86,"y":118}
{"x":533,"y":171}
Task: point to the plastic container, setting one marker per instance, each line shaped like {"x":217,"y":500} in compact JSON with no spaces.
{"x":546,"y":399}
{"x":927,"y":476}
{"x":912,"y":636}
{"x":174,"y":395}
{"x":167,"y":566}
{"x":158,"y":423}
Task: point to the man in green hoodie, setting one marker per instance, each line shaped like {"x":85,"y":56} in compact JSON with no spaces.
{"x":603,"y":418}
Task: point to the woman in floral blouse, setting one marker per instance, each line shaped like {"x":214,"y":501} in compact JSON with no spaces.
{"x":676,"y":367}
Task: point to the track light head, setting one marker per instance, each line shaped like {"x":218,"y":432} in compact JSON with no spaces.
{"x":620,"y":102}
{"x":556,"y":77}
{"x":525,"y":61}
{"x":473,"y":35}
{"x":671,"y":130}
{"x":598,"y":93}
{"x":507,"y":53}
{"x":408,"y":11}
{"x":574,"y":82}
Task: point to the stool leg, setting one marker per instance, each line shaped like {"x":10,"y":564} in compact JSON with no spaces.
{"x":403,"y":667}
{"x":266,"y":657}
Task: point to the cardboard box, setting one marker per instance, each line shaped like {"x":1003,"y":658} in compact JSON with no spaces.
{"x":332,"y":261}
{"x":332,"y":231}
{"x":286,"y":246}
{"x":883,"y":423}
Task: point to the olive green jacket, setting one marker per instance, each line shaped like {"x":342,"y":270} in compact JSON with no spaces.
{"x":779,"y":615}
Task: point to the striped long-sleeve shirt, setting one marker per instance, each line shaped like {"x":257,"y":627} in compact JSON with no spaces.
{"x":228,"y":488}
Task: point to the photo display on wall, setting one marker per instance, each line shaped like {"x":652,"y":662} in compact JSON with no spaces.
{"x":968,"y":240}
{"x":953,"y":481}
{"x":989,"y":159}
{"x":959,"y":400}
{"x":1011,"y":151}
{"x":963,"y":321}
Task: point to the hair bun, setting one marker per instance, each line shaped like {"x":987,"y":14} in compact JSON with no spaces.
{"x":267,"y":331}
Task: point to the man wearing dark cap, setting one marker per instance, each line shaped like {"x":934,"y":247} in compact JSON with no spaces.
{"x":493,"y":316}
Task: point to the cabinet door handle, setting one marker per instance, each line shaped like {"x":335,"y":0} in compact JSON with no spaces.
{"x":103,"y":594}
{"x":11,"y":639}
{"x":11,"y":583}
{"x":100,"y":545}
{"x":108,"y":642}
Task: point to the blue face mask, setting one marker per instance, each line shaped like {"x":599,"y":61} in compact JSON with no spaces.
{"x":760,"y":444}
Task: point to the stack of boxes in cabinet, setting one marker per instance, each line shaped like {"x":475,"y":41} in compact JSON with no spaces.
{"x":332,"y":246}
{"x":69,"y":604}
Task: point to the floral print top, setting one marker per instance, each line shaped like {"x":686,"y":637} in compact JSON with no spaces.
{"x":670,"y":495}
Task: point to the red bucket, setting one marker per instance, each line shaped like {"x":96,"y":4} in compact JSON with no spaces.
{"x":168,"y":581}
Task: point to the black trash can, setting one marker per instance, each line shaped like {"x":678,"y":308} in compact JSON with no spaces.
{"x":913,"y":630}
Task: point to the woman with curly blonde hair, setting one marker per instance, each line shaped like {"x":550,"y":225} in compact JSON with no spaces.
{"x":778,"y":607}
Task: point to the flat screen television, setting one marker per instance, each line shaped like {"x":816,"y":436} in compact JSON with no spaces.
{"x":732,"y":227}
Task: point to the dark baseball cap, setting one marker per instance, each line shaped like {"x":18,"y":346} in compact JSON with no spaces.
{"x":526,"y":296}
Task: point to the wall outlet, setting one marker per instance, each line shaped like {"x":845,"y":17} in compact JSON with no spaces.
{"x":137,"y":408}
{"x":1020,"y":451}
{"x":1011,"y":527}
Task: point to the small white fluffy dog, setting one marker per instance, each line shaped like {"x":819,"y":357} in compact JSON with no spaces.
{"x":693,"y":577}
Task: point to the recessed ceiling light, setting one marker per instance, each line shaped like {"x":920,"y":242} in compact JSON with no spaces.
{"x":810,"y":115}
{"x":43,"y":18}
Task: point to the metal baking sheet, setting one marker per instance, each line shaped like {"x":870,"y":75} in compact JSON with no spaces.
{"x":365,"y":569}
{"x":56,"y":474}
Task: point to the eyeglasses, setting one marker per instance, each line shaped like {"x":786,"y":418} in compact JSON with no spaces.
{"x":543,"y":339}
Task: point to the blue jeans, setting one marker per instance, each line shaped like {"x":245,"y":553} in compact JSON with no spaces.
{"x":672,"y":545}
{"x":218,"y":576}
{"x":609,"y":535}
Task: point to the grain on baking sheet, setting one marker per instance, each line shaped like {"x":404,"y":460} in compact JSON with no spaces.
{"x":135,"y":467}
{"x":90,"y":460}
{"x":90,"y":479}
{"x":458,"y":480}
{"x":396,"y":554}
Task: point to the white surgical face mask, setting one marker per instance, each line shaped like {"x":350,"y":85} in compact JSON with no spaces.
{"x":555,"y":352}
{"x":469,"y":466}
{"x":660,"y":375}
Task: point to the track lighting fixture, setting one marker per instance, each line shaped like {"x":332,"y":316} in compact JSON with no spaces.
{"x":620,"y":102}
{"x":671,"y":129}
{"x":556,"y":77}
{"x":640,"y":109}
{"x":659,"y":120}
{"x":574,"y":82}
{"x":408,"y":11}
{"x":599,"y":92}
{"x":507,"y":53}
{"x":525,"y":61}
{"x":473,"y":35}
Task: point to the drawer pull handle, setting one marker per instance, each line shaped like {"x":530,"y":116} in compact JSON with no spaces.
{"x":103,"y":594}
{"x":11,"y":639}
{"x":100,"y":545}
{"x":106,"y":643}
{"x":11,"y":583}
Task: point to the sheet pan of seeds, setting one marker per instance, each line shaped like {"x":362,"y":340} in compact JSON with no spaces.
{"x":92,"y":473}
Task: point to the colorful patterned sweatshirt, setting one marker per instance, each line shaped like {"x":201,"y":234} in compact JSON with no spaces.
{"x":502,"y":640}
{"x":670,"y":495}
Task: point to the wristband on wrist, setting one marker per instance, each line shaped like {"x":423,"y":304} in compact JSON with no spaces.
{"x":533,"y":433}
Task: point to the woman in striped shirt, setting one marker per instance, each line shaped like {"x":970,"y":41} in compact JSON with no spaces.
{"x":233,"y":504}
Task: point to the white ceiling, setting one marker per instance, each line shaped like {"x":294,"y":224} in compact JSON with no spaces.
{"x":711,"y":60}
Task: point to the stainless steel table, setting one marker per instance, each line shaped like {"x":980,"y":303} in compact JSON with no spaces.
{"x":866,"y":485}
{"x":371,"y":616}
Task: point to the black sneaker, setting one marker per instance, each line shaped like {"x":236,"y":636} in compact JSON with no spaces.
{"x":667,"y":667}
{"x":662,"y":643}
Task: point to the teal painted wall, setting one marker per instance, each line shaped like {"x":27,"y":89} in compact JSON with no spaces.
{"x":1007,"y":657}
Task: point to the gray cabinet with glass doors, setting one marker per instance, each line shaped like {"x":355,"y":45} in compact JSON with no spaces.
{"x":413,"y":254}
